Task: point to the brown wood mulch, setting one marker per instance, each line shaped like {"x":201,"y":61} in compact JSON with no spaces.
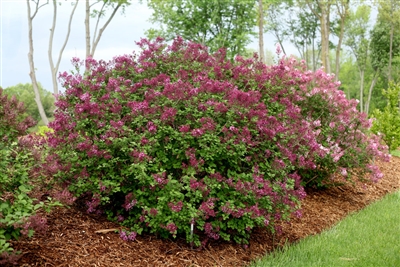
{"x":71,"y":239}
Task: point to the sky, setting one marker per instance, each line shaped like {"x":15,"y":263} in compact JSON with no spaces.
{"x":119,"y":38}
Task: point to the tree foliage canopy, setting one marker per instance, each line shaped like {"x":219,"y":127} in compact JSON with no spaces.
{"x":25,"y":94}
{"x":222,"y":23}
{"x":380,"y":44}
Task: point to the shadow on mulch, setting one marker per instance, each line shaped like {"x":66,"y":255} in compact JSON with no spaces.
{"x":71,"y":239}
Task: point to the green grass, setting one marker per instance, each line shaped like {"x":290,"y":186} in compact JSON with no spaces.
{"x":369,"y":238}
{"x":395,"y":153}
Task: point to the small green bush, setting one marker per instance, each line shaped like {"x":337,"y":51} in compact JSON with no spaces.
{"x":43,"y":131}
{"x":387,"y":122}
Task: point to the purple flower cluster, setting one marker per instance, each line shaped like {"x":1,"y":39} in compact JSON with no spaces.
{"x":36,"y":223}
{"x":65,"y":197}
{"x":129,"y":202}
{"x":131,"y":236}
{"x":177,"y":207}
{"x":208,"y":229}
{"x":11,"y":116}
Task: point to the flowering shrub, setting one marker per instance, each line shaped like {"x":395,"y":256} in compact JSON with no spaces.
{"x":17,"y":209}
{"x":339,"y":131}
{"x":12,"y":123}
{"x":177,"y":141}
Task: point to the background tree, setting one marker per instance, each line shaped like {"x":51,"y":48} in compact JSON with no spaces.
{"x":275,"y":24}
{"x":24,"y":93}
{"x":303,"y":26}
{"x":54,"y":68}
{"x":30,"y":58}
{"x":260,"y":18}
{"x":93,"y":41}
{"x":380,"y":53}
{"x":214,"y":23}
{"x":342,"y":9}
{"x":322,"y":10}
{"x":389,"y":10}
{"x":349,"y":76}
{"x":357,"y":40}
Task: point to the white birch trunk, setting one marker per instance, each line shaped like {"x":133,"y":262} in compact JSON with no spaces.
{"x":32,"y":73}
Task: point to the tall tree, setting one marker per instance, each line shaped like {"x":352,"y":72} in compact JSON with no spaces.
{"x":93,"y":41}
{"x":303,"y":26}
{"x":32,"y":73}
{"x":381,"y":51}
{"x":357,"y":40}
{"x":322,"y":11}
{"x":389,"y":10}
{"x":54,"y":68}
{"x":261,"y":30}
{"x":349,"y":76}
{"x":215,"y":23}
{"x":275,"y":23}
{"x":342,"y":7}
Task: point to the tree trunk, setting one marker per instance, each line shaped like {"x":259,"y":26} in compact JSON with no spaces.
{"x":342,"y":8}
{"x":307,"y":57}
{"x":54,"y":69}
{"x":322,"y":13}
{"x":96,"y":40}
{"x":324,"y":19}
{"x":261,"y":31}
{"x":390,"y":51}
{"x":362,"y":91}
{"x":91,"y":48}
{"x":348,"y":93}
{"x":313,"y":54}
{"x":87,"y":28}
{"x":370,"y":91}
{"x":50,"y":51}
{"x":338,"y":48}
{"x":32,"y":67}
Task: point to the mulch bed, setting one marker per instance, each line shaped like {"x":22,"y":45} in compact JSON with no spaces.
{"x":71,"y":239}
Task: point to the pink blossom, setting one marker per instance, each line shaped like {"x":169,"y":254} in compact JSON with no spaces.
{"x":197,"y":132}
{"x":184,"y":128}
{"x":85,"y":97}
{"x":151,"y":127}
{"x":175,"y":207}
{"x":343,"y":171}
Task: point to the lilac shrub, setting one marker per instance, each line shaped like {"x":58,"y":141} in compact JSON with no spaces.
{"x":175,"y":139}
{"x":12,"y":122}
{"x":18,"y":210}
{"x":341,"y":132}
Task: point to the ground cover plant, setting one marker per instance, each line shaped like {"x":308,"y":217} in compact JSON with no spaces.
{"x":367,"y":238}
{"x":177,"y":141}
{"x":18,"y":210}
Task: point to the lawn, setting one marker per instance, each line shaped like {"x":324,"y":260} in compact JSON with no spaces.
{"x":369,"y":237}
{"x":395,"y":152}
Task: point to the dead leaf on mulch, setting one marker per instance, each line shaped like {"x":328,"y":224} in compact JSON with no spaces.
{"x":77,"y":239}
